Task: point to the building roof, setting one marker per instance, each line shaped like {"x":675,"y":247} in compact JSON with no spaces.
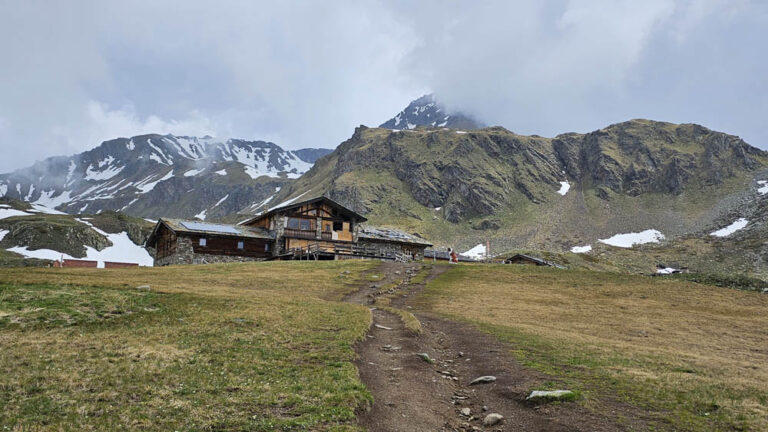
{"x":390,"y":235}
{"x":288,"y":205}
{"x":198,"y":227}
{"x":534,"y":259}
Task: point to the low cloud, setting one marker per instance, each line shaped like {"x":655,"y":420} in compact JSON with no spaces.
{"x":305,"y":74}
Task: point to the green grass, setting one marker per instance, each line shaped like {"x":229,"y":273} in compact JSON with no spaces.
{"x":215,"y":348}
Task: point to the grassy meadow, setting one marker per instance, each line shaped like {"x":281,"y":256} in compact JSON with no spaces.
{"x":695,"y":356}
{"x":262,"y":346}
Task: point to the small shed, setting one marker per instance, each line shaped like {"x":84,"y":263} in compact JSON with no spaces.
{"x":528,"y":259}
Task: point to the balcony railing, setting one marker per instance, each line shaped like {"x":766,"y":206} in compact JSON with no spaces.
{"x":302,"y":234}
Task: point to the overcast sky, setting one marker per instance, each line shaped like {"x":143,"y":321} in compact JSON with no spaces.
{"x":304,"y":74}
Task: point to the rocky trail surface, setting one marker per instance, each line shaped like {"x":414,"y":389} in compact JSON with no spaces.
{"x":422,"y":382}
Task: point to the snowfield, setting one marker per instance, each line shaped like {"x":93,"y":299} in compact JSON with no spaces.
{"x":630,"y":239}
{"x":476,"y":253}
{"x":730,"y":229}
{"x":581,"y":249}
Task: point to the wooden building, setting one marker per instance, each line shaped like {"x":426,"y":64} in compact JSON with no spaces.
{"x":318,"y":228}
{"x":527,"y":259}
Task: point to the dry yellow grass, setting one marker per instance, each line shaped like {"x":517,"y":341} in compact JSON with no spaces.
{"x":696,"y":354}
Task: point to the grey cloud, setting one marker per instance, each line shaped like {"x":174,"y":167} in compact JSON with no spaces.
{"x":305,"y":73}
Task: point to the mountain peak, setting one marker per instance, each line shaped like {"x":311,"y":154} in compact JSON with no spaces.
{"x":428,"y":111}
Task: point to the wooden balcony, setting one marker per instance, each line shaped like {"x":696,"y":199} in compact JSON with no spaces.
{"x":302,"y":234}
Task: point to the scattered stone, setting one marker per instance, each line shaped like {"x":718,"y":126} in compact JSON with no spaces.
{"x":483,"y":380}
{"x":492,"y":419}
{"x":549,"y":394}
{"x":461,"y":354}
{"x":485,"y":408}
{"x":397,"y":272}
{"x":143,"y":288}
{"x":426,"y":358}
{"x":390,"y":348}
{"x":466,"y":412}
{"x":382,"y":327}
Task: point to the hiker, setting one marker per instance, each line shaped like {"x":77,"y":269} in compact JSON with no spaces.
{"x":454,"y":258}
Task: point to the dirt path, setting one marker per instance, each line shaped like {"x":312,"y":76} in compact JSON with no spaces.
{"x":412,"y":394}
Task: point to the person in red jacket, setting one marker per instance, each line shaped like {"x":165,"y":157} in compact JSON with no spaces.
{"x":454,"y":258}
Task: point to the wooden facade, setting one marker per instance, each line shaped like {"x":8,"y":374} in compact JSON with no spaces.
{"x":317,"y":228}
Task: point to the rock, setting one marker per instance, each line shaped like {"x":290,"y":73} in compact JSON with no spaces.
{"x":426,"y":357}
{"x":397,"y":272}
{"x":461,"y":354}
{"x":492,"y":419}
{"x":485,"y":408}
{"x":549,"y":394}
{"x":483,"y":380}
{"x":466,"y":412}
{"x":382,"y":327}
{"x":143,"y":288}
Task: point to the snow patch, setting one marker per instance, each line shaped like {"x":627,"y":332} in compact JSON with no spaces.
{"x":47,"y":210}
{"x":762,"y":190}
{"x":48,"y":200}
{"x":581,"y":249}
{"x":461,"y":132}
{"x":3,"y":189}
{"x":9,"y":212}
{"x":630,"y":239}
{"x":102,"y":170}
{"x":476,"y":252}
{"x":288,"y":202}
{"x":202,"y":214}
{"x":564,"y":187}
{"x":146,"y":187}
{"x":3,"y":233}
{"x":666,"y":270}
{"x":193,"y":172}
{"x":221,"y":200}
{"x":730,"y":229}
{"x":122,"y":250}
{"x":221,"y":172}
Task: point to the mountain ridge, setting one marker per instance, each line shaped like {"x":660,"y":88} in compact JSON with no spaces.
{"x":145,"y":174}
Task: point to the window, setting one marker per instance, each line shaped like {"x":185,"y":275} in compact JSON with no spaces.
{"x":266,"y":247}
{"x":338,"y":225}
{"x":305,"y":224}
{"x":293,"y":223}
{"x":203,"y":242}
{"x":240,"y":245}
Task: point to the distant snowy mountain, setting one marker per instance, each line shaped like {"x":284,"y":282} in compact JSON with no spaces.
{"x":427,"y":111}
{"x":160,"y":175}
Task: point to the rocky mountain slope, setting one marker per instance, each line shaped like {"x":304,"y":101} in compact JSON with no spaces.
{"x":31,"y":234}
{"x":662,"y":181}
{"x":161,"y":175}
{"x":427,"y":111}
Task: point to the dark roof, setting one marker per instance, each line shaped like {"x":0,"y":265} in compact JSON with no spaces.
{"x":208,"y":228}
{"x":432,"y":253}
{"x":534,"y":259}
{"x":390,"y":235}
{"x":291,"y":205}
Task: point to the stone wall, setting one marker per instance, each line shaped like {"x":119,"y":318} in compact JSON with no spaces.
{"x":185,"y":254}
{"x":392,"y":248}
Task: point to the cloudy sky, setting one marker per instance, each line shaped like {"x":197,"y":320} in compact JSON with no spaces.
{"x":304,"y":74}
